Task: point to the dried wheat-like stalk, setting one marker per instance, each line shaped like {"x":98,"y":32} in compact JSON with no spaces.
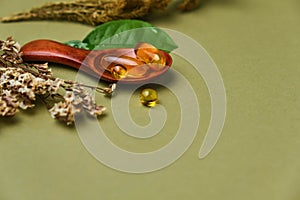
{"x":95,"y":12}
{"x":188,"y":5}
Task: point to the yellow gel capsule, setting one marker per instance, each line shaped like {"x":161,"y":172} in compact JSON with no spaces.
{"x":118,"y":71}
{"x":150,"y":55}
{"x":148,"y":97}
{"x":138,"y":72}
{"x":127,"y":66}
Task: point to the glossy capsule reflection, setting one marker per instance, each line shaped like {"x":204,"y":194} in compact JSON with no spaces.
{"x":118,"y":71}
{"x":150,"y":55}
{"x":125,"y":66}
{"x":148,"y":97}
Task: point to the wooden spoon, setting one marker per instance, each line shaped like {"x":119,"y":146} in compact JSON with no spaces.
{"x":91,"y":62}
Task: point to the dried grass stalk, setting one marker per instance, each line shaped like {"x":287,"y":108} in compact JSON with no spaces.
{"x":95,"y":12}
{"x":188,"y":5}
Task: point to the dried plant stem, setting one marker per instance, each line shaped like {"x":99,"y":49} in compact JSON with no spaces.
{"x":95,"y":12}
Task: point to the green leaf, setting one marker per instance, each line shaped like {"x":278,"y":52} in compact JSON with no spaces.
{"x":77,"y":44}
{"x":126,"y":34}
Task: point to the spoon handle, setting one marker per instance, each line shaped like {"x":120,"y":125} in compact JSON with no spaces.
{"x":51,"y":51}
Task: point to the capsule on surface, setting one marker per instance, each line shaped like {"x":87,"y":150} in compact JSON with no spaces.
{"x":148,"y":97}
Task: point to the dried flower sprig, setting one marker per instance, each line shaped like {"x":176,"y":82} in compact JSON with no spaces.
{"x":95,"y":12}
{"x":21,"y":83}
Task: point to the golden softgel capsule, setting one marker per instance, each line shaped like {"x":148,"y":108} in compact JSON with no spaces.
{"x":148,"y":97}
{"x":118,"y":71}
{"x":150,"y":55}
{"x":124,"y":66}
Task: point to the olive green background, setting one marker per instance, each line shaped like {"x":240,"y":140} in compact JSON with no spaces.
{"x":256,"y":46}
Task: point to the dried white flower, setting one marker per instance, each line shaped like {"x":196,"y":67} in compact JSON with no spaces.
{"x":21,"y":83}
